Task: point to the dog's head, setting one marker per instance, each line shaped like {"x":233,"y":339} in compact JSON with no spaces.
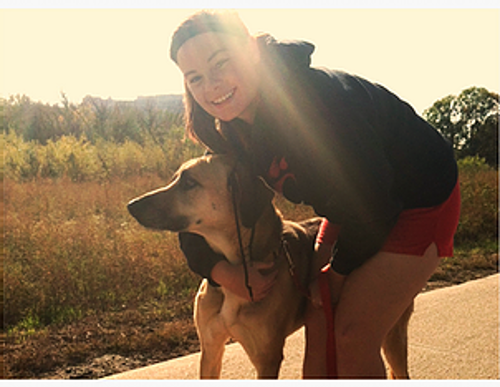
{"x":200,"y":197}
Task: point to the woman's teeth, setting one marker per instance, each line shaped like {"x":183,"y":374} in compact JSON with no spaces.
{"x":223,"y":98}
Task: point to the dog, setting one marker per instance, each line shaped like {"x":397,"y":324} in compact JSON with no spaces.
{"x":216,"y":197}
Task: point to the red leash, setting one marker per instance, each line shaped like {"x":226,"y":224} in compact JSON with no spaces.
{"x":324,"y":287}
{"x":329,"y":310}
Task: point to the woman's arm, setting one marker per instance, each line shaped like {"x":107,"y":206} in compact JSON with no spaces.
{"x":232,"y":277}
{"x":203,"y":261}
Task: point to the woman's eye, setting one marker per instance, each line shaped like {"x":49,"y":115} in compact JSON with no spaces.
{"x":220,"y":64}
{"x":194,"y":79}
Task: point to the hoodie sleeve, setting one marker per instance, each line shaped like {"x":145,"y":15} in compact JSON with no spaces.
{"x":356,"y":179}
{"x":356,"y":193}
{"x":354,"y":172}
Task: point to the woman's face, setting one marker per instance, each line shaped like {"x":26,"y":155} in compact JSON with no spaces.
{"x":221,"y":73}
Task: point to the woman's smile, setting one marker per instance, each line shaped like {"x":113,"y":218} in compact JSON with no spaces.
{"x":224,"y":98}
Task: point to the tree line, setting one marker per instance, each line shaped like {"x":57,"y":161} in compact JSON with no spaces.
{"x":469,"y":121}
{"x":94,"y":119}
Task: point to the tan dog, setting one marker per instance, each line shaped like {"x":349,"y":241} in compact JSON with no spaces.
{"x":202,"y":199}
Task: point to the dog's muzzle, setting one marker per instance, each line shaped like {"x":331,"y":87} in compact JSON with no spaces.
{"x":152,"y":212}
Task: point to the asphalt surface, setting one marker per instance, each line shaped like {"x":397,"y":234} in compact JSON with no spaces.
{"x":453,"y":334}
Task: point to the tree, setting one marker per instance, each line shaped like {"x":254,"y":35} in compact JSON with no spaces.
{"x":469,"y":121}
{"x":43,"y":124}
{"x":101,"y":111}
{"x":69,"y":120}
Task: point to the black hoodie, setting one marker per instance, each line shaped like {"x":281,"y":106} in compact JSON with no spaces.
{"x":348,"y":147}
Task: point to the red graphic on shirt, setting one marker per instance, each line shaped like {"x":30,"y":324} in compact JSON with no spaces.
{"x":278,"y":173}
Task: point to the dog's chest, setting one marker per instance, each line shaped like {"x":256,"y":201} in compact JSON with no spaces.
{"x":230,"y":310}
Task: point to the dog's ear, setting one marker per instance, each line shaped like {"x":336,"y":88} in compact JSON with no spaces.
{"x":253,"y":195}
{"x":254,"y":201}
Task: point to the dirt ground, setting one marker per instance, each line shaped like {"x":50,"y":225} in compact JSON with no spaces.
{"x":103,"y":344}
{"x":110,"y":343}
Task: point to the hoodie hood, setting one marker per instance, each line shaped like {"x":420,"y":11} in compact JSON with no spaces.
{"x":292,"y":54}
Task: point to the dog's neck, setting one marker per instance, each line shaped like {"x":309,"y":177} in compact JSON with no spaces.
{"x":266,"y":239}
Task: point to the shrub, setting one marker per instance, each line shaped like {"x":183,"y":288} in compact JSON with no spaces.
{"x":80,"y":160}
{"x":479,"y":210}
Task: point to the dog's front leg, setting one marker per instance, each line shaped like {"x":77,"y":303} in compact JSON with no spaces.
{"x":268,"y":367}
{"x":265,"y":353}
{"x":211,"y":357}
{"x":211,"y":330}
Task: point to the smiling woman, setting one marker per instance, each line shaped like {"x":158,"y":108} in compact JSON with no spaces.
{"x":219,"y":63}
{"x":348,"y":147}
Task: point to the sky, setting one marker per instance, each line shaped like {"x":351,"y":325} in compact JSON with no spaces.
{"x":421,"y":54}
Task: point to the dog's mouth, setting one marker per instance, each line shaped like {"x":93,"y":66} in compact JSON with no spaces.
{"x":178,"y":224}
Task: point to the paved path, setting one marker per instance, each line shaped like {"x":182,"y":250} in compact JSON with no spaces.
{"x":453,"y":335}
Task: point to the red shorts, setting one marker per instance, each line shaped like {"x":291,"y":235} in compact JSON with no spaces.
{"x":415,"y":229}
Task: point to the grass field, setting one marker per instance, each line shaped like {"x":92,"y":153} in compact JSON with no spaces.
{"x":83,"y":279}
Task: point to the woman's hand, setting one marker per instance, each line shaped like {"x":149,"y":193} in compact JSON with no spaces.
{"x":336,"y":281}
{"x":321,"y":258}
{"x":232,"y":277}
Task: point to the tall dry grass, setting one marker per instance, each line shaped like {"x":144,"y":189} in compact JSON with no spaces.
{"x":71,"y":248}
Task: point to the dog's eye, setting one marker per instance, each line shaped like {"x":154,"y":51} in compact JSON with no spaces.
{"x":187,"y":182}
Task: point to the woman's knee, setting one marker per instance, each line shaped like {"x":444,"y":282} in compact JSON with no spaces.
{"x":349,"y":335}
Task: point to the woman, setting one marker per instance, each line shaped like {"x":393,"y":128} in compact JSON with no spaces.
{"x":355,"y":152}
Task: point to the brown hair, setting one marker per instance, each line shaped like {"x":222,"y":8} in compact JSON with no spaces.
{"x":200,"y":126}
{"x":207,"y":21}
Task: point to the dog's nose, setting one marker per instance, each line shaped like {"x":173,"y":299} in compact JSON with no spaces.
{"x":144,"y":210}
{"x":141,"y":211}
{"x":134,"y":207}
{"x":150,"y":202}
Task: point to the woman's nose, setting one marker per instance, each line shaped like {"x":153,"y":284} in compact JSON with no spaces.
{"x":214,"y":80}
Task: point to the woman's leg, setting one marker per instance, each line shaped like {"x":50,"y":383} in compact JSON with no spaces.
{"x":314,"y":366}
{"x":373,"y":298}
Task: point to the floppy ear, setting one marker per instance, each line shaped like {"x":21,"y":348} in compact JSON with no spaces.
{"x":254,"y":201}
{"x":253,"y":195}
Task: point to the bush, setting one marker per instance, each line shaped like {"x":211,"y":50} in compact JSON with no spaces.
{"x":473,"y":164}
{"x":479,"y":211}
{"x":80,"y":160}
